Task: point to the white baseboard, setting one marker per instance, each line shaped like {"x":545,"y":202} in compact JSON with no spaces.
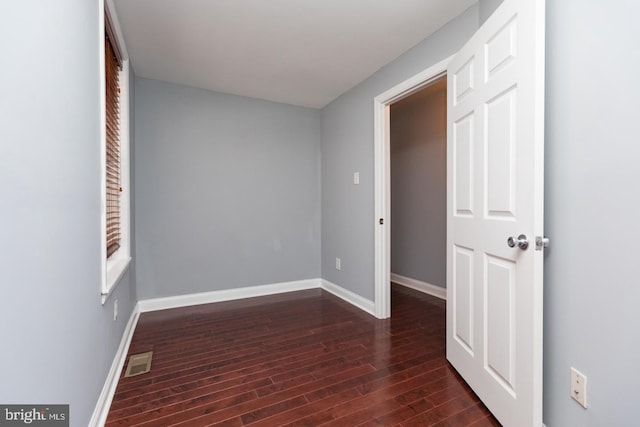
{"x":350,"y":297}
{"x":255,"y":291}
{"x":101,"y":410}
{"x":418,"y":285}
{"x":226,"y":295}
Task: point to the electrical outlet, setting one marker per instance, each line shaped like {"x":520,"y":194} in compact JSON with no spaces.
{"x":338,"y":264}
{"x":579,"y":387}
{"x":115,"y":310}
{"x":356,"y":178}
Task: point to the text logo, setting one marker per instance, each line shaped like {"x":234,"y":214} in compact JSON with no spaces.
{"x":34,"y":415}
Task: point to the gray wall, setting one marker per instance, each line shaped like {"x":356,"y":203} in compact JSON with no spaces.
{"x":347,"y":147}
{"x":592,"y":284}
{"x":58,"y":341}
{"x":419,"y":185}
{"x":487,"y":7}
{"x":227,"y":191}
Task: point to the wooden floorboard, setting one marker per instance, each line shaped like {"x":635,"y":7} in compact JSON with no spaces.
{"x":298,"y":359}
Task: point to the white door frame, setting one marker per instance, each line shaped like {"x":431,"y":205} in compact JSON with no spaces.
{"x":382,"y":140}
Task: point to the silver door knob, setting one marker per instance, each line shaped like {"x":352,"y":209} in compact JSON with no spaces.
{"x":521,"y":241}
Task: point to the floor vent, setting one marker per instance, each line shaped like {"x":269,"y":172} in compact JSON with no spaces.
{"x":139,"y":364}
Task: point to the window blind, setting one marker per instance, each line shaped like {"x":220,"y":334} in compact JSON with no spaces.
{"x":113,"y":65}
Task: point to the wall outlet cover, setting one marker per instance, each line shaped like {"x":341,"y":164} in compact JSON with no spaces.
{"x":579,"y":387}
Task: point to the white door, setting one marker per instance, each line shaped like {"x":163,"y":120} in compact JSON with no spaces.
{"x":495,"y":186}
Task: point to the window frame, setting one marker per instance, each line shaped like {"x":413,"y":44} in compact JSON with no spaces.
{"x":117,"y":264}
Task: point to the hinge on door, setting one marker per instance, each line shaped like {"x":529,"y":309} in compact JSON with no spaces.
{"x":542,"y":242}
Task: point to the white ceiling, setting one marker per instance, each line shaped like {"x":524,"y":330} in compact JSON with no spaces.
{"x":301,"y":52}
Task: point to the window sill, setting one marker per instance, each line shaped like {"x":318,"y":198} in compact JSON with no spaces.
{"x":115,"y":271}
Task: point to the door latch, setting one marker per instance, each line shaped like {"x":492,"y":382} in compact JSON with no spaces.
{"x":542,"y":242}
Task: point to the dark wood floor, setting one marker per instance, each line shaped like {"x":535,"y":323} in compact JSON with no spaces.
{"x":298,"y":359}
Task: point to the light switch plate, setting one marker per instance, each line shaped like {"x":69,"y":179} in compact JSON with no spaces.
{"x":356,"y":178}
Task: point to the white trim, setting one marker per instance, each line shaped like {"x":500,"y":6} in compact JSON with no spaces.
{"x":104,"y":288}
{"x":382,"y":235}
{"x":187,"y":300}
{"x":115,"y":24}
{"x":101,"y":410}
{"x":414,"y":84}
{"x":155,"y":304}
{"x":350,"y":297}
{"x":419,"y":285}
{"x":114,"y":268}
{"x":382,"y":190}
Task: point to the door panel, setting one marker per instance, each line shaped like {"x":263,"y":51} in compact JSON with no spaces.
{"x":500,"y":289}
{"x":500,"y":114}
{"x":463,"y":163}
{"x":463,"y":81}
{"x":495,"y":185}
{"x":501,"y":49}
{"x":463,"y":290}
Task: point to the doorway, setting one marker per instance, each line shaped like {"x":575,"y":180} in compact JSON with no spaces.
{"x":418,"y":162}
{"x":382,"y":138}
